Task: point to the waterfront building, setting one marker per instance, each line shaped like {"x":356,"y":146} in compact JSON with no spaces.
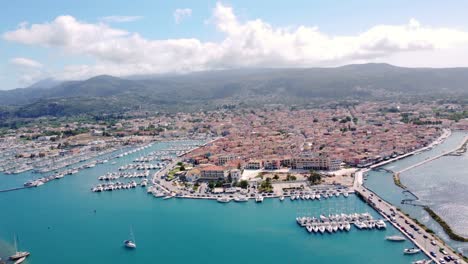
{"x":212,"y":172}
{"x":254,"y":165}
{"x":312,"y":161}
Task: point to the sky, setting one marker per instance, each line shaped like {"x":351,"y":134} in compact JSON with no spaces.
{"x":75,"y":40}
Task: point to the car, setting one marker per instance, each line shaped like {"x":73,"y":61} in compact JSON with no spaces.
{"x":380,"y":200}
{"x":433,"y":254}
{"x":433,"y":242}
{"x":425,"y":236}
{"x":442,"y":261}
{"x":406,"y":222}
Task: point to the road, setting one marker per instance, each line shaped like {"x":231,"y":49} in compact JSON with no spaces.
{"x":421,"y":238}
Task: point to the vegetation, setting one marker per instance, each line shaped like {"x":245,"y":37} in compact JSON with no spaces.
{"x":290,"y":177}
{"x":396,"y":180}
{"x":243,"y":184}
{"x":266,"y":186}
{"x":314,"y":177}
{"x":447,"y":229}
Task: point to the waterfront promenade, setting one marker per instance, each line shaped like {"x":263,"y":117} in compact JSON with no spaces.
{"x":433,"y":158}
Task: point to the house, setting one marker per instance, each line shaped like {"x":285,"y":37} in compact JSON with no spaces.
{"x":235,"y":175}
{"x":192,"y":175}
{"x":212,"y":172}
{"x":254,"y":165}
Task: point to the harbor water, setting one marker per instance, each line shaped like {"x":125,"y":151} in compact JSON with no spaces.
{"x":64,"y":222}
{"x":440,"y":184}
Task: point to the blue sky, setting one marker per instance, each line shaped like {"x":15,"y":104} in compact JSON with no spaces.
{"x":219,"y":35}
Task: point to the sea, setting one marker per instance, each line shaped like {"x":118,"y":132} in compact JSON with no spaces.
{"x":441,"y":184}
{"x":64,"y":222}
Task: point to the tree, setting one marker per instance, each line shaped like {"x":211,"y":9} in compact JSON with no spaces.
{"x":182,"y":167}
{"x":244,"y":184}
{"x":276,"y":177}
{"x":211,"y":185}
{"x":314,"y":177}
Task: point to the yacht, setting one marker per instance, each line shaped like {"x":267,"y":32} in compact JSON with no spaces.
{"x":259,"y":199}
{"x":293,"y":197}
{"x":410,"y":251}
{"x":241,"y":199}
{"x":395,"y":238}
{"x":20,"y":260}
{"x":309,"y":228}
{"x":321,"y":229}
{"x":281,"y":198}
{"x":130,"y":243}
{"x":380,"y":224}
{"x":422,"y":261}
{"x":18,"y":254}
{"x":329,"y":228}
{"x":345,"y":194}
{"x":223,"y":200}
{"x":347,"y":226}
{"x":315,"y":228}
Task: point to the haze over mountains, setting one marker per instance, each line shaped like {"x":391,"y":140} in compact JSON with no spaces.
{"x":111,"y":94}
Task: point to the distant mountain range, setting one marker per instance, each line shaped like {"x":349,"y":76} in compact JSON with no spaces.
{"x":203,"y":89}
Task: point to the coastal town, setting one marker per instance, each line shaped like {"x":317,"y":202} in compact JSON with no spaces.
{"x":238,"y":155}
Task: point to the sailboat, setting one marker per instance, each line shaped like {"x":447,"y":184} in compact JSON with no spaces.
{"x":130,"y":243}
{"x":18,"y":254}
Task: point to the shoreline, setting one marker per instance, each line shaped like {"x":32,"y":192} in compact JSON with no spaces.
{"x":445,"y":227}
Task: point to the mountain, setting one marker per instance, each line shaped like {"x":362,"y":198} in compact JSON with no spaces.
{"x":201,"y":90}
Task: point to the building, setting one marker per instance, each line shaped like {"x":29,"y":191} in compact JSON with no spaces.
{"x":235,"y":175}
{"x":271,"y":164}
{"x":213,"y":173}
{"x":225,"y":159}
{"x":311,"y":161}
{"x":192,"y":175}
{"x":254,"y":165}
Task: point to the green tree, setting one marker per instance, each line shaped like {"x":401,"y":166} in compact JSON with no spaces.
{"x":244,"y":184}
{"x":314,"y":177}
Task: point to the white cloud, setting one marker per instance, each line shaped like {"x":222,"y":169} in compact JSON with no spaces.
{"x":181,"y":13}
{"x":120,"y":19}
{"x":252,"y":43}
{"x":25,"y":62}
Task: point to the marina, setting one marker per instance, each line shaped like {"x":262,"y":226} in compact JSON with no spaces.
{"x":106,"y":214}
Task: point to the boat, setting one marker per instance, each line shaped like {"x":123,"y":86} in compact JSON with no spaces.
{"x":259,"y":199}
{"x":395,"y":238}
{"x":321,"y":229}
{"x":422,"y":261}
{"x":411,"y":251}
{"x":329,"y":228}
{"x":223,"y":200}
{"x":380,"y":224}
{"x":309,"y":228}
{"x":241,"y":199}
{"x":20,"y":260}
{"x":281,"y":198}
{"x":18,"y":254}
{"x":347,"y":226}
{"x":130,"y":243}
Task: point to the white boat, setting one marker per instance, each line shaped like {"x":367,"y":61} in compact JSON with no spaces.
{"x":347,"y":226}
{"x":223,"y":200}
{"x":281,"y":198}
{"x":321,"y":229}
{"x":20,"y":260}
{"x":130,"y":243}
{"x":422,"y":261}
{"x":411,"y":251}
{"x":315,"y":228}
{"x":259,"y":199}
{"x":241,"y":199}
{"x":18,"y":254}
{"x":395,"y":238}
{"x":329,"y":229}
{"x":380,"y":224}
{"x":309,"y":228}
{"x":345,"y":194}
{"x":293,"y":197}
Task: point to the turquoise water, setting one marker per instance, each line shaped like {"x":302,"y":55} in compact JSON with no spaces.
{"x":57,"y":223}
{"x":441,"y":184}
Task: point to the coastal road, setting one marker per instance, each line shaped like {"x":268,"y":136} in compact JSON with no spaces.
{"x":403,"y":223}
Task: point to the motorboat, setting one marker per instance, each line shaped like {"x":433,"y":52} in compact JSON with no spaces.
{"x":380,"y":224}
{"x":241,"y":199}
{"x":281,"y":198}
{"x":259,"y":199}
{"x":411,"y":251}
{"x":20,"y":260}
{"x":395,"y":238}
{"x":321,"y":229}
{"x":223,"y":200}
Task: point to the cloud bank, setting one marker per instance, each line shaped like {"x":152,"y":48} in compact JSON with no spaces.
{"x":25,"y":62}
{"x":252,"y":43}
